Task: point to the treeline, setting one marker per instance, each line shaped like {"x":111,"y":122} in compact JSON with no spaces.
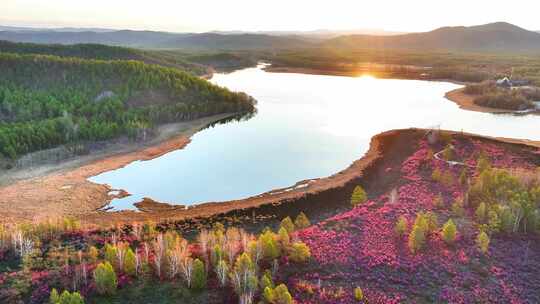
{"x":47,"y":101}
{"x":488,"y":94}
{"x":86,"y":51}
{"x":458,"y":66}
{"x":101,"y":52}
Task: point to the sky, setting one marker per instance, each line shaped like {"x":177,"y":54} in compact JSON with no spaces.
{"x":253,"y":15}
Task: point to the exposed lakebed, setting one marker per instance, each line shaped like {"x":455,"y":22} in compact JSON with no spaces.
{"x":307,"y":126}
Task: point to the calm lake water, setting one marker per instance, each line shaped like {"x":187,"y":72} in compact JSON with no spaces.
{"x":307,"y":126}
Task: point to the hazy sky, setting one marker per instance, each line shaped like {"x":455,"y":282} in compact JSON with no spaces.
{"x":205,"y":15}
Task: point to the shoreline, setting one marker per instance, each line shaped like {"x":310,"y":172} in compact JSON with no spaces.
{"x":65,"y":187}
{"x":466,"y":102}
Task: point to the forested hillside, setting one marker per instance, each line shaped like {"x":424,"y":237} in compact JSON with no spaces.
{"x":47,"y":101}
{"x":102,"y":52}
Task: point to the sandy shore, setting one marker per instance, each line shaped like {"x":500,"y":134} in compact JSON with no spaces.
{"x":63,"y":189}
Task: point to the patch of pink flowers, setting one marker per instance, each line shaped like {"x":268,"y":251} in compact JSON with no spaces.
{"x":359,"y":248}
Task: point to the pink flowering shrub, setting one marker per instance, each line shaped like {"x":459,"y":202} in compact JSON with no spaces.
{"x":359,"y":247}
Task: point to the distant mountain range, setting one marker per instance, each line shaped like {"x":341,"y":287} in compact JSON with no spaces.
{"x":494,"y":37}
{"x":149,"y":39}
{"x":59,"y":29}
{"x":498,"y":36}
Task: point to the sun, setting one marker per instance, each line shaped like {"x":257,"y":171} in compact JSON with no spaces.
{"x":366,"y":77}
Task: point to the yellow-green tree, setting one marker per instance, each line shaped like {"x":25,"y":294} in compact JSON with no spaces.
{"x":299,"y":252}
{"x":482,"y":241}
{"x":401,"y":226}
{"x":105,"y":278}
{"x":130,"y":263}
{"x":302,"y":221}
{"x":199,"y":275}
{"x":417,"y":238}
{"x":449,"y":231}
{"x":269,"y":245}
{"x":481,"y":213}
{"x":358,"y":294}
{"x":358,"y":196}
{"x":288,"y":224}
{"x":281,"y":295}
{"x":65,"y":298}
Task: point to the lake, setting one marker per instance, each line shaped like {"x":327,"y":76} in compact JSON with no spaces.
{"x":307,"y":126}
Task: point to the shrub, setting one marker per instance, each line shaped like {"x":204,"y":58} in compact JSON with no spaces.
{"x":421,"y":221}
{"x":432,"y":222}
{"x":268,"y":295}
{"x":358,"y":294}
{"x":288,"y":224}
{"x":448,"y":233}
{"x":199,"y":275}
{"x":480,"y":213}
{"x":457,"y":208}
{"x":93,"y":254}
{"x":284,"y":237}
{"x":302,"y":221}
{"x":269,"y":245}
{"x":71,"y":298}
{"x":130,"y":263}
{"x":482,"y":241}
{"x":358,"y":196}
{"x":65,"y":298}
{"x":494,"y":223}
{"x":266,"y":281}
{"x":299,"y":252}
{"x":54,"y":298}
{"x":417,"y":238}
{"x":110,"y":253}
{"x":401,"y":226}
{"x":105,"y":278}
{"x":281,"y":295}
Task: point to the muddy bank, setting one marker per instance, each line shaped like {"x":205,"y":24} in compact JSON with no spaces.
{"x":51,"y":190}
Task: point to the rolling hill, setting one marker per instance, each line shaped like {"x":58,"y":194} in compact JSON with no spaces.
{"x":493,"y":37}
{"x":101,"y":52}
{"x":47,"y":101}
{"x":149,"y":39}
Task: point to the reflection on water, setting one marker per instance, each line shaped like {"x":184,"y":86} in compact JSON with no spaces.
{"x":307,"y":126}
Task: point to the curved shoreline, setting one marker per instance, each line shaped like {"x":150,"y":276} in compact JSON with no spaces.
{"x":65,"y":188}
